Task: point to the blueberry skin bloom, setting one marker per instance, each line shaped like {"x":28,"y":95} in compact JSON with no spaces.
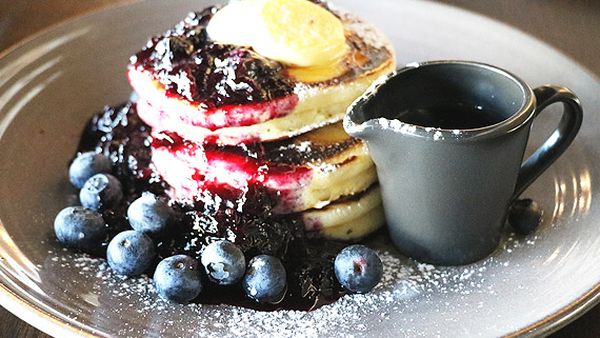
{"x":150,"y":214}
{"x":358,"y":268}
{"x":87,"y":165}
{"x":265,"y":280}
{"x":177,"y":278}
{"x":101,"y":192}
{"x":80,"y":228}
{"x":130,"y":253}
{"x":223,"y":262}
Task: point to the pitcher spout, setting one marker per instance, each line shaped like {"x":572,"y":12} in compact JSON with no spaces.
{"x":358,"y":130}
{"x":359,"y":120}
{"x":355,"y":122}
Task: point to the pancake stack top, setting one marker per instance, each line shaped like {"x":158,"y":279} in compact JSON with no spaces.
{"x":232,"y":115}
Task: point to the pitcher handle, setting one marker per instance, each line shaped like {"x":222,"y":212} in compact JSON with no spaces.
{"x":560,"y":139}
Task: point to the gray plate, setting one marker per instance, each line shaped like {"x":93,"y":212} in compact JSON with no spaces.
{"x":51,"y":84}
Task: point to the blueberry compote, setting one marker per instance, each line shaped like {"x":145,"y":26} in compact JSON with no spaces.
{"x":119,"y":134}
{"x":242,"y":217}
{"x":195,"y":68}
{"x":191,"y":66}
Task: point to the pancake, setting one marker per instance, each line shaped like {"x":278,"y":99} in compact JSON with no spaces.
{"x":264,"y":100}
{"x":348,"y":218}
{"x":229,"y":122}
{"x":305,"y":172}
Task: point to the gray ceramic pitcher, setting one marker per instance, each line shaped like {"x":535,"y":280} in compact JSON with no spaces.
{"x":446,"y":191}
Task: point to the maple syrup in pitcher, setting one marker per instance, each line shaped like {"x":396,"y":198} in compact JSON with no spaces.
{"x":451,"y":115}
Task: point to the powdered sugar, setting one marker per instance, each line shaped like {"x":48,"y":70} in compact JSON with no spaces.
{"x":436,"y":134}
{"x":405,"y":283}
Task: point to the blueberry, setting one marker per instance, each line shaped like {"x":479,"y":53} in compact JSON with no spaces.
{"x":87,"y":165}
{"x":265,"y":280}
{"x":130,"y":253}
{"x":150,"y":214}
{"x":101,"y":192}
{"x":223,"y":262}
{"x":80,"y":228}
{"x":358,"y":268}
{"x":173,"y":48}
{"x":197,"y":37}
{"x":525,"y":216}
{"x":177,"y":278}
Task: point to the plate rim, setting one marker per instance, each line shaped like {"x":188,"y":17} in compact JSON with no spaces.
{"x":11,"y":298}
{"x":55,"y":26}
{"x":35,"y":316}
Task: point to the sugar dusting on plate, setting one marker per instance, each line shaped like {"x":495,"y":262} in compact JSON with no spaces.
{"x":404,"y":282}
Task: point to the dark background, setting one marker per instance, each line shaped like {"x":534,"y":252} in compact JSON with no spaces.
{"x":573,"y":26}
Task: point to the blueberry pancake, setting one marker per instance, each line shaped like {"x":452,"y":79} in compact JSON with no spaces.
{"x":305,"y":172}
{"x":242,"y":73}
{"x":233,"y":135}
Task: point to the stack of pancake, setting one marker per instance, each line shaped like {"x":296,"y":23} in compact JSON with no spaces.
{"x":235,"y":118}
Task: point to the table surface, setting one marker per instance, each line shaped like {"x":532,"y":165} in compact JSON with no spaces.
{"x":571,"y":26}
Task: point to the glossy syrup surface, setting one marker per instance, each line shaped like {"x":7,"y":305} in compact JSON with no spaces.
{"x":243,"y":217}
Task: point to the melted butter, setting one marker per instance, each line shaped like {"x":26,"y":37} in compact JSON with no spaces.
{"x":298,"y":33}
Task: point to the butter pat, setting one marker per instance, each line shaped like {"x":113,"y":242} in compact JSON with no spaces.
{"x":236,"y":24}
{"x":294,"y":32}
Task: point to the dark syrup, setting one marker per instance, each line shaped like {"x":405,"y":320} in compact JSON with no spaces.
{"x":241,"y":216}
{"x":454,"y":115}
